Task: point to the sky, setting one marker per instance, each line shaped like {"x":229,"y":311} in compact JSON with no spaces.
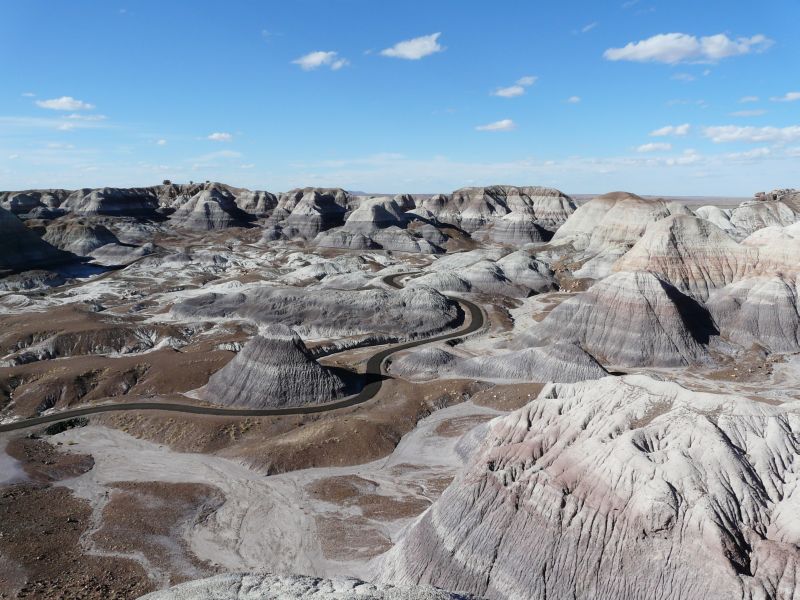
{"x":670,"y":97}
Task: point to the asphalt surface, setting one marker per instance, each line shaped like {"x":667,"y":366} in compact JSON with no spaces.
{"x":374,"y":380}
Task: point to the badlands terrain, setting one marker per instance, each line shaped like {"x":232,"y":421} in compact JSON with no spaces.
{"x":500,"y":392}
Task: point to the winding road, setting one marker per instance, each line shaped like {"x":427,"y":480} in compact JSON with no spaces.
{"x":374,"y":375}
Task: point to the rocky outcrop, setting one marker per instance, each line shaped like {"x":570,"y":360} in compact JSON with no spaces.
{"x":78,"y":236}
{"x":629,"y":488}
{"x":242,"y":586}
{"x":274,"y":369}
{"x":21,"y":249}
{"x":691,"y":253}
{"x":118,"y":202}
{"x":213,"y":208}
{"x":32,"y":201}
{"x":630,"y":320}
{"x":259,"y":204}
{"x":304,"y":213}
{"x":752,"y":216}
{"x":331,"y":313}
{"x":473,"y":208}
{"x":561,"y":362}
{"x":759,"y":310}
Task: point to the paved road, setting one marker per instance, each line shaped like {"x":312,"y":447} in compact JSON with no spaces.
{"x":374,"y":380}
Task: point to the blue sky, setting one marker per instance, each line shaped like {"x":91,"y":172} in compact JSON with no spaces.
{"x":651,"y":96}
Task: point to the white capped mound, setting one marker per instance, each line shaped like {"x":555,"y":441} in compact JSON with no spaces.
{"x":630,"y":319}
{"x":759,"y":310}
{"x":691,"y":253}
{"x":244,"y":586}
{"x":619,"y":489}
{"x":331,"y":313}
{"x":273,"y":369}
{"x":721,"y":217}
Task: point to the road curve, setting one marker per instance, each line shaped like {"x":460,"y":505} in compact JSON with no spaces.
{"x":374,"y":377}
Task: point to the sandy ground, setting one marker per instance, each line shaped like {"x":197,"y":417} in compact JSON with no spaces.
{"x":287,"y":523}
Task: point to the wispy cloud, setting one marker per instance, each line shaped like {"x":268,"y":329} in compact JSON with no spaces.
{"x":749,"y":113}
{"x":64,"y":103}
{"x":735,"y":133}
{"x":518,"y":89}
{"x":415,"y":48}
{"x":321,"y":58}
{"x":220,"y":137}
{"x":654,"y":147}
{"x":28,"y":95}
{"x":748,"y":99}
{"x":587,"y":28}
{"x":574,"y":99}
{"x":674,"y":48}
{"x":678,"y":130}
{"x":685,"y":77}
{"x":502,"y":125}
{"x":787,"y":97}
{"x":161,"y":142}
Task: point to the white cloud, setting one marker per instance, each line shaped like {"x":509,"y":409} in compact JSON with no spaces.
{"x":321,"y":58}
{"x":589,"y":27}
{"x":654,"y":147}
{"x":749,"y":113}
{"x":734,"y":133}
{"x":502,"y":125}
{"x":220,"y":137}
{"x":749,"y":154}
{"x":685,"y":77}
{"x":13,"y":156}
{"x":77,"y":117}
{"x":247,"y":166}
{"x":509,"y":92}
{"x":679,"y":130}
{"x":787,"y":97}
{"x":28,"y":95}
{"x":161,"y":142}
{"x":415,"y":48}
{"x":574,"y":99}
{"x":64,"y":103}
{"x":674,"y":48}
{"x":748,"y":99}
{"x":518,"y":89}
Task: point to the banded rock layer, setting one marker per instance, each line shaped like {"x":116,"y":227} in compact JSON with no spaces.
{"x":274,"y":369}
{"x":254,"y":586}
{"x":619,"y":489}
{"x":630,"y":319}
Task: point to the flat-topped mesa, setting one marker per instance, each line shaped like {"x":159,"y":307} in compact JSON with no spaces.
{"x":262,"y":586}
{"x":630,"y":319}
{"x":21,"y":249}
{"x":614,"y":481}
{"x":274,"y":369}
{"x":213,"y":208}
{"x":116,"y":202}
{"x":538,"y":211}
{"x":691,"y":253}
